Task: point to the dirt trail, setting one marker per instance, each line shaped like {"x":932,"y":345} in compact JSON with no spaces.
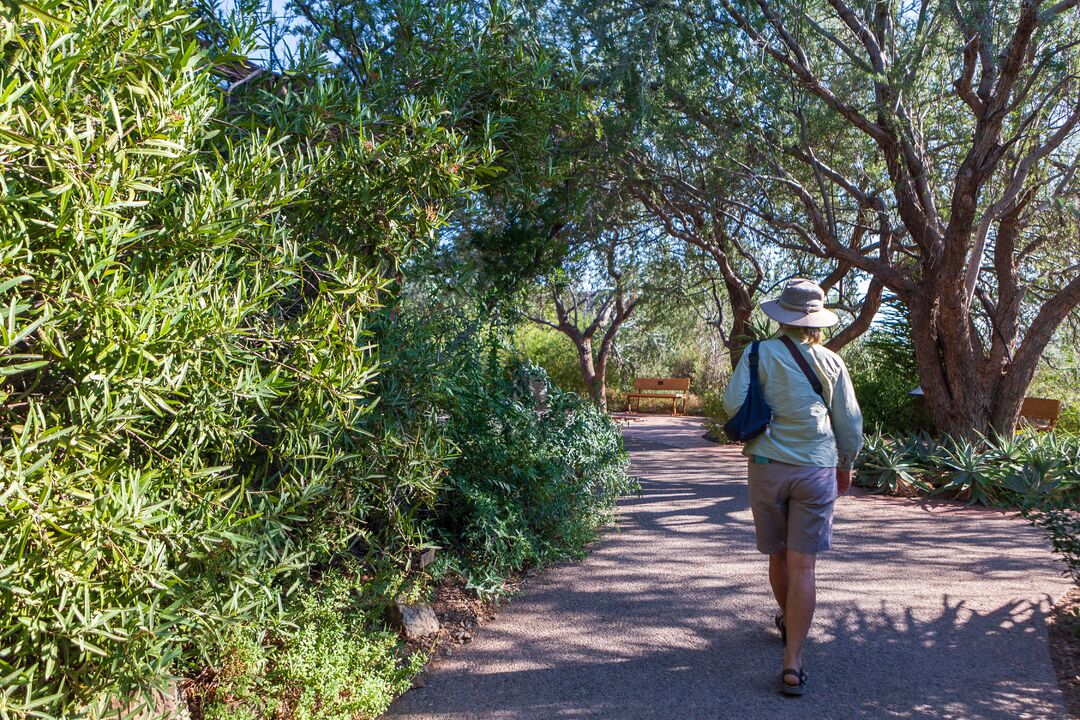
{"x":924,"y":611}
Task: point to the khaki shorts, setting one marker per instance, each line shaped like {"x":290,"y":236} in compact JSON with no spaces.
{"x":792,"y":506}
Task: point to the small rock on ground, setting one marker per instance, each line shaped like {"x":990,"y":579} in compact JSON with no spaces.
{"x":415,"y":621}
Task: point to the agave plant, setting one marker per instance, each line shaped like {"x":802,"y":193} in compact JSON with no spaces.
{"x":971,"y":473}
{"x":892,"y":467}
{"x":1045,"y":468}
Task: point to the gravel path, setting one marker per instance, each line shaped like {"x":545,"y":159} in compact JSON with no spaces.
{"x":924,"y":611}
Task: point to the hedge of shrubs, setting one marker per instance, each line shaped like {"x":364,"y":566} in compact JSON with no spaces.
{"x":208,"y":468}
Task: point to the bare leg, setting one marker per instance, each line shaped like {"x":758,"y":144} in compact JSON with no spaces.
{"x":778,"y":578}
{"x":799,"y":610}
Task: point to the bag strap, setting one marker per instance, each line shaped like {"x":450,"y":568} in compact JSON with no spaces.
{"x":755,"y":379}
{"x":803,"y":365}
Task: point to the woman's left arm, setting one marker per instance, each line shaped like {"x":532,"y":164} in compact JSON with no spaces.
{"x":735,"y":394}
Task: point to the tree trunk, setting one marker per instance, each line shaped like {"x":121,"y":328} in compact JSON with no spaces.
{"x":962,"y":405}
{"x":600,"y":380}
{"x":742,"y":332}
{"x":1008,"y":400}
{"x":594,"y":381}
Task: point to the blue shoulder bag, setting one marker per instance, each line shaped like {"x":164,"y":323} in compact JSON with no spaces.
{"x":755,"y":414}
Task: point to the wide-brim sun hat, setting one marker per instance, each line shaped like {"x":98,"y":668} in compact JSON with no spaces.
{"x":801,"y":304}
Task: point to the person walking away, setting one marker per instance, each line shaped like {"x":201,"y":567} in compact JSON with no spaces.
{"x":802,"y":462}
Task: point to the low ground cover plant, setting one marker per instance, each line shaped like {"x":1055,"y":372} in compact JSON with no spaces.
{"x":330,"y":657}
{"x":1031,"y":468}
{"x":1037,"y":473}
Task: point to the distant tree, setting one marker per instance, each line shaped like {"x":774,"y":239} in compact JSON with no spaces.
{"x":680,"y":134}
{"x":591,"y":301}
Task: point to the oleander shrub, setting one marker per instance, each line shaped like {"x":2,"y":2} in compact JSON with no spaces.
{"x":529,"y":486}
{"x":186,"y":369}
{"x":203,"y":438}
{"x":513,"y":472}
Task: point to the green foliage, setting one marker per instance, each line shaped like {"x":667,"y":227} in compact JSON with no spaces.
{"x":178,"y":442}
{"x":530,"y":486}
{"x":332,"y":661}
{"x":536,"y":469}
{"x":1062,"y":526}
{"x":1058,"y":377}
{"x":883,"y":372}
{"x":1028,"y":470}
{"x":891,"y":466}
{"x":498,"y":83}
{"x":554,"y":352}
{"x":1070,"y":415}
{"x":1037,"y":472}
{"x":189,"y":430}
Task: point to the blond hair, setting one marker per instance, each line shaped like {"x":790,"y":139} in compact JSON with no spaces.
{"x":809,"y":334}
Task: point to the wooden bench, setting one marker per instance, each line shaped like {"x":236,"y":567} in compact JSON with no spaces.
{"x":673,"y":389}
{"x":1040,"y":413}
{"x":1037,"y":413}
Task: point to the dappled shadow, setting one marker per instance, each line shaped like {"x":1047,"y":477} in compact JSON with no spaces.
{"x":922,"y":614}
{"x":863,"y":665}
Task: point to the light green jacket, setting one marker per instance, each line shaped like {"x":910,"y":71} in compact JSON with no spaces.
{"x":801,"y":432}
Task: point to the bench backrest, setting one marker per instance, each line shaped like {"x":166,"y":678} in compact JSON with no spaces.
{"x":1042,"y":408}
{"x":677,"y":384}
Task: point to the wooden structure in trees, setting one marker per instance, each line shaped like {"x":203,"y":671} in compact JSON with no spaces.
{"x":1040,"y":413}
{"x":671,"y":388}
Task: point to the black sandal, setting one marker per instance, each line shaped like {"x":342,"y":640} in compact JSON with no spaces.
{"x":782,"y":627}
{"x":789,"y":689}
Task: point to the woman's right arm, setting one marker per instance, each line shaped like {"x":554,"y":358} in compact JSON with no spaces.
{"x":846,"y":421}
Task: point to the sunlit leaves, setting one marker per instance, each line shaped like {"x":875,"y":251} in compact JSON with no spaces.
{"x":185,"y":368}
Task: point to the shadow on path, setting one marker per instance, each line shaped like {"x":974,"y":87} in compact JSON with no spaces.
{"x":924,"y":612}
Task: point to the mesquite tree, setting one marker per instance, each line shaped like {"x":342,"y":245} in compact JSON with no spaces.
{"x":689,"y":205}
{"x":593,"y":306}
{"x":967,"y":115}
{"x":695,"y":205}
{"x":679,"y":125}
